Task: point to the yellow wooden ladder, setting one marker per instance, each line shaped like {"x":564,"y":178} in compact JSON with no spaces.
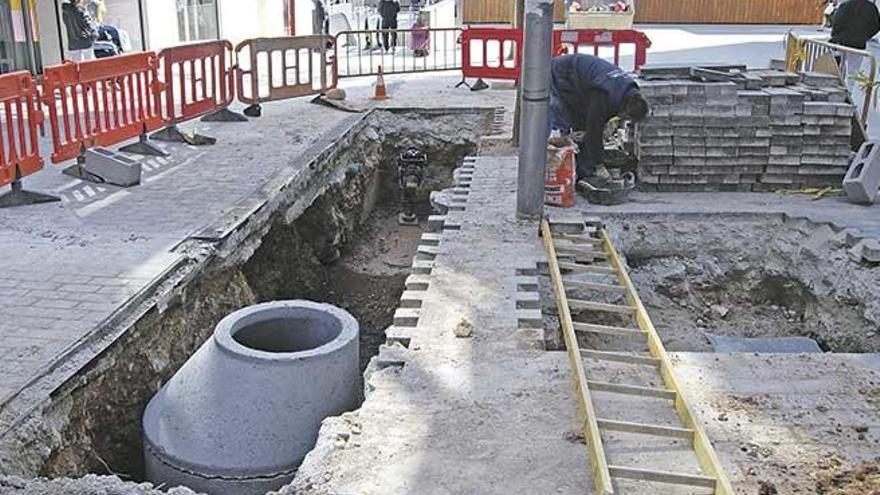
{"x":588,"y":250}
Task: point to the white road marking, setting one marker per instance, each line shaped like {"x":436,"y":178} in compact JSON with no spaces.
{"x":101,"y":203}
{"x":78,"y":195}
{"x":89,"y":191}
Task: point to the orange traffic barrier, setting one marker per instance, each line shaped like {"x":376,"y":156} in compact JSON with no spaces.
{"x":199,"y":80}
{"x":484,"y":53}
{"x":20,"y":116}
{"x":581,"y":40}
{"x":101,"y":102}
{"x":272,"y":69}
{"x":381,"y":93}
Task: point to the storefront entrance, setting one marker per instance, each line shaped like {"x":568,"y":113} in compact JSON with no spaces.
{"x":19,"y":38}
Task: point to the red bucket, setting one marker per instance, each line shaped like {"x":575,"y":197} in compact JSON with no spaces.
{"x":559,"y":180}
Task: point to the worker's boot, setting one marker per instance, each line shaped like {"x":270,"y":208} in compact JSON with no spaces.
{"x":601,"y":177}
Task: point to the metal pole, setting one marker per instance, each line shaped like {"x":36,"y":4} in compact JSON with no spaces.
{"x":534,"y":124}
{"x":517,"y":110}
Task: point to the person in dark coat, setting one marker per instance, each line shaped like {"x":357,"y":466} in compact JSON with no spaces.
{"x":855,"y":22}
{"x":585,"y":93}
{"x":388,"y":10}
{"x":81,"y":30}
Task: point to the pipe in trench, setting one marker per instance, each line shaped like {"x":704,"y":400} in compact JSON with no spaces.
{"x":535,"y":121}
{"x":244,"y":410}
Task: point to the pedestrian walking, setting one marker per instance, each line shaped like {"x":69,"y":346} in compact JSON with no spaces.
{"x":388,"y":10}
{"x":81,"y":30}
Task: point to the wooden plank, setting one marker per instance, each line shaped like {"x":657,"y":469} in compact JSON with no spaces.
{"x":500,"y":11}
{"x":619,"y":357}
{"x":580,"y":239}
{"x":580,"y":252}
{"x":662,"y":477}
{"x":644,"y":429}
{"x":617,"y":388}
{"x":729,"y":12}
{"x":575,"y":285}
{"x":608,"y":330}
{"x":601,"y":476}
{"x":706,"y":454}
{"x":597,"y":306}
{"x":605,"y":270}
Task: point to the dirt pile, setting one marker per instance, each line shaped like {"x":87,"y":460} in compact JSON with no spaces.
{"x":863,"y":479}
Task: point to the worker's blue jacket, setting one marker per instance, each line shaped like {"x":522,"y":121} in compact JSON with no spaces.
{"x":585,"y":93}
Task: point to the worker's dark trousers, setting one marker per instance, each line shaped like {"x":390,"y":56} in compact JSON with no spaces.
{"x":389,"y":26}
{"x":586,"y":166}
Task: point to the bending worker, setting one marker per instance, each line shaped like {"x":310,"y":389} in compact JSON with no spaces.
{"x":585,"y":93}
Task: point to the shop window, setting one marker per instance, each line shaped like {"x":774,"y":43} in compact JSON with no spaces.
{"x":197,"y":20}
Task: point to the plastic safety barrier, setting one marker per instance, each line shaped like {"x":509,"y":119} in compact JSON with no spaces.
{"x":199,"y":79}
{"x":491,"y":53}
{"x":272,"y":69}
{"x":101,"y":102}
{"x":582,"y":40}
{"x":20,"y":115}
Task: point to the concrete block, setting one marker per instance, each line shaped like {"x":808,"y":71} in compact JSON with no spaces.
{"x":431,"y":239}
{"x":391,"y":356}
{"x":529,"y":318}
{"x":681,"y":141}
{"x":412,"y":298}
{"x":819,"y":79}
{"x":716,"y":151}
{"x":436,"y":222}
{"x":422,"y":267}
{"x":689,"y":161}
{"x":689,"y":151}
{"x":427,"y":252}
{"x":111,"y":168}
{"x":690,"y":132}
{"x":417,"y":281}
{"x":863,"y":178}
{"x":406,"y":317}
{"x":852,"y":237}
{"x":871,"y":250}
{"x":397,"y":335}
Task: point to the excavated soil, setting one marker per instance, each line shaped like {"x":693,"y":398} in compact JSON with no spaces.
{"x":749,"y":277}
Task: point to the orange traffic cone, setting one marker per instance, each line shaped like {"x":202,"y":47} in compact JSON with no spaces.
{"x":381,"y":93}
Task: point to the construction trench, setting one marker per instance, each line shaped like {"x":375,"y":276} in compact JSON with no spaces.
{"x":346,"y":248}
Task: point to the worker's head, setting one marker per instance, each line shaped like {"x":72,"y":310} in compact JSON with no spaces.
{"x":635,"y":108}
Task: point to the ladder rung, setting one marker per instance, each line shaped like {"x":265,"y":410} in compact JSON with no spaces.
{"x":645,"y":429}
{"x":606,"y":330}
{"x":572,"y":284}
{"x":661,"y":476}
{"x":616,"y":388}
{"x":580,"y":252}
{"x":619,"y":357}
{"x":586,"y":268}
{"x":597,"y":306}
{"x":580,"y":239}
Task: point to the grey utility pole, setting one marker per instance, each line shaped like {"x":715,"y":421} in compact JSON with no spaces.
{"x":534,"y":123}
{"x":518,"y":23}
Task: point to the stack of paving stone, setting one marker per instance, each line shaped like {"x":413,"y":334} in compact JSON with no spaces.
{"x":711,"y":136}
